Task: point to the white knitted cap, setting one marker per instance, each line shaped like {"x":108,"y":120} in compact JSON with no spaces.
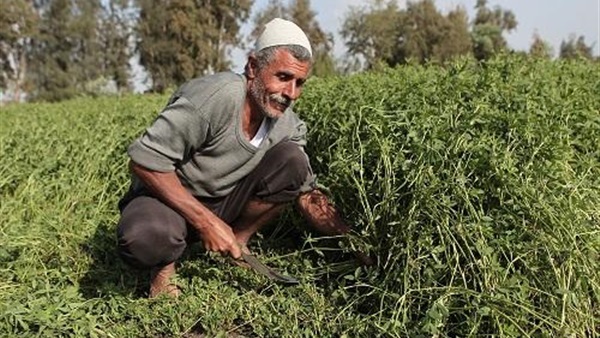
{"x":282,"y":32}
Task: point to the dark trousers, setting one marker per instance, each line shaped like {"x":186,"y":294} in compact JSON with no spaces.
{"x":152,"y":234}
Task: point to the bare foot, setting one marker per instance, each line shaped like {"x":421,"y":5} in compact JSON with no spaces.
{"x":161,"y":284}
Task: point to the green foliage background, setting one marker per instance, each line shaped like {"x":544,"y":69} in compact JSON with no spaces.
{"x":474,"y":185}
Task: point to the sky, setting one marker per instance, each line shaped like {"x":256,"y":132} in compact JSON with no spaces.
{"x":553,"y":20}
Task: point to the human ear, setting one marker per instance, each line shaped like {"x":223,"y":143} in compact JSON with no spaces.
{"x":251,"y":66}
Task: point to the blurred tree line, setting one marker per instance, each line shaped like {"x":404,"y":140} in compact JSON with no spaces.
{"x":54,"y":49}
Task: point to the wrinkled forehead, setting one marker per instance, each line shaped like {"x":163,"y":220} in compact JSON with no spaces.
{"x":284,"y":61}
{"x":270,"y":54}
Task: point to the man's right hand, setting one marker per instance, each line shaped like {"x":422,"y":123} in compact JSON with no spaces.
{"x":216,"y":234}
{"x":218,"y":237}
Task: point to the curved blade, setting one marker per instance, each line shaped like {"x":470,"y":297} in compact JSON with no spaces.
{"x":261,"y":268}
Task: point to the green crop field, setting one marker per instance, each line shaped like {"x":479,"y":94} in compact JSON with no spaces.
{"x":476,"y":187}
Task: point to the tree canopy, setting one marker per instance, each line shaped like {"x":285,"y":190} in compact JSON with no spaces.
{"x":56,"y":49}
{"x":373,"y":32}
{"x":65,"y":54}
{"x":488,"y":27}
{"x":17,"y":27}
{"x":181,"y":39}
{"x":575,"y":48}
{"x":383,"y":32}
{"x":540,"y":48}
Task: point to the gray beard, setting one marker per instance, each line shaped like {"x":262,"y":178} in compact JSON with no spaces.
{"x":257,"y":92}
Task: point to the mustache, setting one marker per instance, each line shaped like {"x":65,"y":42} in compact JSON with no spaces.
{"x":281,"y":100}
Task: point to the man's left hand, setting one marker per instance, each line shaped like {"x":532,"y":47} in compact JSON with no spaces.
{"x":325,"y":219}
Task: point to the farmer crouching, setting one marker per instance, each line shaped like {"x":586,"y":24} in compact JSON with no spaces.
{"x":221,"y":160}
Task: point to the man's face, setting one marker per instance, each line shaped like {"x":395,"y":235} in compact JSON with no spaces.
{"x":276,"y":86}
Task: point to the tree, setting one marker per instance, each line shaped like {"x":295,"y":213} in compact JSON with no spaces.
{"x":428,"y":35}
{"x":488,"y":27}
{"x":50,"y":56}
{"x":274,"y":9}
{"x":373,"y":33}
{"x":420,"y":33}
{"x":321,"y":42}
{"x":540,"y":48}
{"x":84,"y":29}
{"x":300,"y":12}
{"x":575,"y":48}
{"x":181,"y":39}
{"x":116,"y":27}
{"x":66,"y":53}
{"x":17,"y":27}
{"x":458,"y":38}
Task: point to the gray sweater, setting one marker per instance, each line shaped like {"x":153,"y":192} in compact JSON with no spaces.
{"x":199,"y":136}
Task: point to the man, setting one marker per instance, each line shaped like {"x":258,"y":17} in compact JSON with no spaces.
{"x":222,"y":159}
